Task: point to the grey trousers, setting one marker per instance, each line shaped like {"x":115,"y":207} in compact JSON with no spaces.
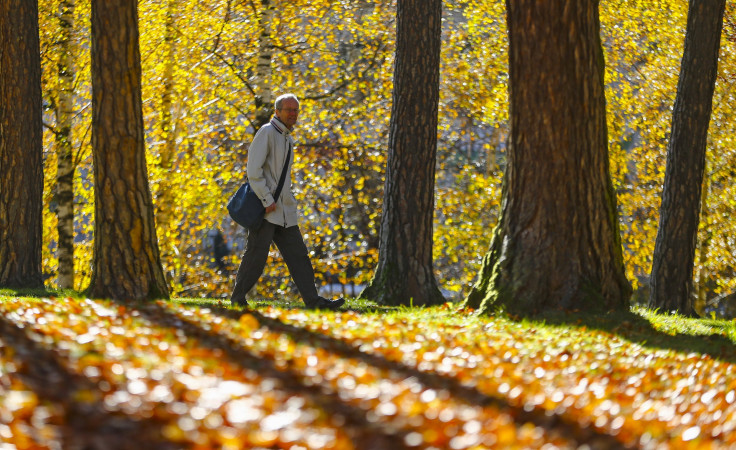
{"x":291,"y":245}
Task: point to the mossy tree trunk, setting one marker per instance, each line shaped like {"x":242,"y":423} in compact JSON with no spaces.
{"x":21,"y":145}
{"x":405,"y":274}
{"x":557,"y":245}
{"x":671,"y":280}
{"x":127,"y":264}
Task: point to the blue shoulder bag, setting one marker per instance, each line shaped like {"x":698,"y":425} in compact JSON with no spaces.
{"x":246,"y":209}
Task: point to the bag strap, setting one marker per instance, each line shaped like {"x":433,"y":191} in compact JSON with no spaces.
{"x":280,"y":186}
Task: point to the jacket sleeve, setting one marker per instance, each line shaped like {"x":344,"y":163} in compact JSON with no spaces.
{"x":257,"y":154}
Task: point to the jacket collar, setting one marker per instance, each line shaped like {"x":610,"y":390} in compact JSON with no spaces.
{"x":279,"y":126}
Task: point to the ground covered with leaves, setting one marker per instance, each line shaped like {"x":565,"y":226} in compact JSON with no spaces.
{"x":81,"y":373}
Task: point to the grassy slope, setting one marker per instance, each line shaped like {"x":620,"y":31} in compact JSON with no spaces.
{"x":392,"y":377}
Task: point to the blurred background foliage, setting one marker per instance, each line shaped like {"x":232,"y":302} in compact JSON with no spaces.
{"x":200,"y":85}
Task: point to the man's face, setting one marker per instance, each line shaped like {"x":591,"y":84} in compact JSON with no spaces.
{"x":289,"y":112}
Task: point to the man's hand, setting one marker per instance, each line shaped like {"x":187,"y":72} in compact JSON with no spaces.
{"x":271,"y":207}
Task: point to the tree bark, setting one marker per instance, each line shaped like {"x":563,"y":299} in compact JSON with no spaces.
{"x":700,"y":288}
{"x":127,"y":264}
{"x":557,"y":245}
{"x":263,"y":78}
{"x":405,"y":274}
{"x":21,"y":146}
{"x":671,"y":280}
{"x":63,"y":134}
{"x":165,"y":202}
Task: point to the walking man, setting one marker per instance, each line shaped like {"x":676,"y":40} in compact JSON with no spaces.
{"x":267,"y":155}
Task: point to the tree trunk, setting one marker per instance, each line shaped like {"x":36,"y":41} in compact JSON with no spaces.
{"x":165,"y":201}
{"x":63,"y":134}
{"x":404,"y":274}
{"x":701,"y":286}
{"x":21,"y":145}
{"x":264,"y":94}
{"x":671,"y":279}
{"x":557,"y":245}
{"x":127,"y":265}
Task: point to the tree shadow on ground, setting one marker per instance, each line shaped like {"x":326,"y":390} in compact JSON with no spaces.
{"x":638,"y":329}
{"x":86,"y":423}
{"x":365,"y":433}
{"x":526,"y":414}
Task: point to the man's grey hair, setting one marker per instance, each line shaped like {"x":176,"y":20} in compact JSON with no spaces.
{"x":280,"y":99}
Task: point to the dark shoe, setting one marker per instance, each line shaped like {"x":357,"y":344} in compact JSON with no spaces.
{"x":239,"y":303}
{"x":323,"y":303}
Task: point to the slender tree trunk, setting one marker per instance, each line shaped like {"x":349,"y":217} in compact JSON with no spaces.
{"x":21,"y":145}
{"x":167,"y":96}
{"x":557,"y":245}
{"x":405,"y":274}
{"x":65,"y":162}
{"x":264,"y":94}
{"x":671,"y":279}
{"x":165,"y":202}
{"x":127,"y":265}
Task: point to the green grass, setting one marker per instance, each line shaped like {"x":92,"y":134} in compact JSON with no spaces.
{"x":358,"y":305}
{"x":38,"y":293}
{"x":712,"y":337}
{"x":708,"y":336}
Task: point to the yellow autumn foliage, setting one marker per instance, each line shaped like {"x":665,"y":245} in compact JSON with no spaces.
{"x":337,"y":56}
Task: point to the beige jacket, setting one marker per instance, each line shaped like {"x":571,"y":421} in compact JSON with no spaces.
{"x":266,"y":156}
